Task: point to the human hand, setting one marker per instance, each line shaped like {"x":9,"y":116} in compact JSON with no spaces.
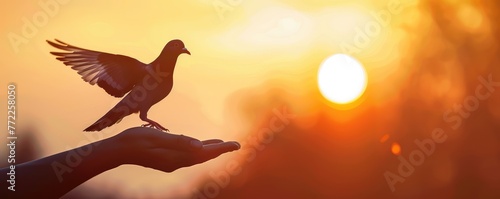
{"x":163,"y":151}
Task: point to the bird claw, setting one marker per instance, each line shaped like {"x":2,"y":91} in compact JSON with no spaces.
{"x":155,"y":126}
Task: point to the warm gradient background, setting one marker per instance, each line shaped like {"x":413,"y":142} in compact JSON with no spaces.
{"x":256,"y":56}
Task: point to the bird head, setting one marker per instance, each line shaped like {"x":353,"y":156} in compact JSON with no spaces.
{"x":176,"y":47}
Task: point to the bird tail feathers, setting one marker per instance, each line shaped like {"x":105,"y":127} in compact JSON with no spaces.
{"x":113,"y":116}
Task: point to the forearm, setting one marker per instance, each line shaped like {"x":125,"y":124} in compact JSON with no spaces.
{"x":53,"y":176}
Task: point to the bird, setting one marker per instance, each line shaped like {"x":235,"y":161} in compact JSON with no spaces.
{"x":144,"y":84}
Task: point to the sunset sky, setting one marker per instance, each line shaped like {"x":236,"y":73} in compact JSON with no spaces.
{"x":251,"y":57}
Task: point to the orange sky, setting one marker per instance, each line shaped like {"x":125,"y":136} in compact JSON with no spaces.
{"x":243,"y":46}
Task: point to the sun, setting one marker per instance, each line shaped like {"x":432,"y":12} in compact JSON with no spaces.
{"x":341,"y":79}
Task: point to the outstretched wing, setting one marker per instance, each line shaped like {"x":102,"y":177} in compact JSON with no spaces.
{"x":116,"y":74}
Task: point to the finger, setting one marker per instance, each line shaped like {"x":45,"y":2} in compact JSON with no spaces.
{"x":169,"y":160}
{"x":189,"y":143}
{"x":211,"y":141}
{"x":214,"y":150}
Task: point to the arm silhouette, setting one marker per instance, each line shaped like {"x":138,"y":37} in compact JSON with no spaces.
{"x":55,"y":175}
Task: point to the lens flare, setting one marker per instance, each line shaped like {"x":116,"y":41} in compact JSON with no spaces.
{"x":396,"y":148}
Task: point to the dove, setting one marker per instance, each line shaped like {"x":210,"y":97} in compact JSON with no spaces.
{"x":140,"y":85}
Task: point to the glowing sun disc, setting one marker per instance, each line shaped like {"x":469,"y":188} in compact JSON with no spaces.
{"x":341,"y":79}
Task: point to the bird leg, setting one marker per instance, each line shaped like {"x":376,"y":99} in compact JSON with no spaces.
{"x":150,"y":123}
{"x":153,"y":124}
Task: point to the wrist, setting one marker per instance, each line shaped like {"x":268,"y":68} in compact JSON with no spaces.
{"x":109,"y":152}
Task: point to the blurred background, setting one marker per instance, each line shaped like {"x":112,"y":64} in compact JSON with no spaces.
{"x":253,"y":61}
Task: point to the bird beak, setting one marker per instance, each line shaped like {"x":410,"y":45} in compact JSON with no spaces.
{"x":185,"y":50}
